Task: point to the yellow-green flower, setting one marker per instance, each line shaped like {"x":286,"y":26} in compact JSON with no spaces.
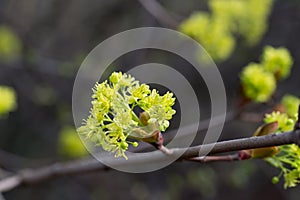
{"x":258,"y":84}
{"x":291,"y":104}
{"x":253,"y":22}
{"x":284,"y":122}
{"x":139,"y":92}
{"x":288,"y":158}
{"x":211,"y":32}
{"x":115,"y":77}
{"x":216,"y":30}
{"x":112,"y":118}
{"x":278,"y":61}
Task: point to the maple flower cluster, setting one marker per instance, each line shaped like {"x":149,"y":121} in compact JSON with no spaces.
{"x":259,"y":79}
{"x":288,"y":157}
{"x":112,"y":119}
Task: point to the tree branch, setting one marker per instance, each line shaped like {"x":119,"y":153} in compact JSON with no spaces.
{"x":205,"y":159}
{"x":157,"y":11}
{"x":83,"y":166}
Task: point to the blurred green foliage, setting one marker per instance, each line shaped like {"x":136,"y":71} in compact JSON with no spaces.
{"x":216,"y":31}
{"x":211,"y":32}
{"x":140,"y":191}
{"x":7,"y":100}
{"x":241,"y":174}
{"x":69,"y":143}
{"x":204,"y":180}
{"x":44,"y":95}
{"x":252,"y":18}
{"x":175,"y":184}
{"x":10,"y":45}
{"x":100,"y":193}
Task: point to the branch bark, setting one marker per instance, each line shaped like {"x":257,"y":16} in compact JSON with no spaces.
{"x":205,"y":159}
{"x":83,"y":166}
{"x":157,"y":11}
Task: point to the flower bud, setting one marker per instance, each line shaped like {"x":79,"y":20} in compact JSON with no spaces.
{"x":124,"y":145}
{"x":264,"y":152}
{"x":275,"y":180}
{"x":144,"y":117}
{"x":135,"y":144}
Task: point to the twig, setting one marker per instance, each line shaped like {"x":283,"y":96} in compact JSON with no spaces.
{"x":165,"y":150}
{"x":157,"y":11}
{"x":186,"y":130}
{"x":10,"y":183}
{"x":204,"y":159}
{"x":31,"y":176}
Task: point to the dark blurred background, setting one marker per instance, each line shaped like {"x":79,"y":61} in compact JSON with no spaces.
{"x":53,"y":37}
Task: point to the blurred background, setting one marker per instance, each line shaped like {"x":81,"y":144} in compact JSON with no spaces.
{"x":42,"y":44}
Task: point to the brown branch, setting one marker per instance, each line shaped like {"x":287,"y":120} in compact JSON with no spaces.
{"x":10,"y":183}
{"x":205,"y":159}
{"x":12,"y":161}
{"x":31,"y":176}
{"x":157,"y":11}
{"x":165,"y":150}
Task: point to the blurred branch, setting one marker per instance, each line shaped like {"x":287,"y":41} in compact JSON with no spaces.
{"x":83,"y":166}
{"x":12,"y":162}
{"x":9,"y":183}
{"x":1,"y":197}
{"x":9,"y":160}
{"x":161,"y":14}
